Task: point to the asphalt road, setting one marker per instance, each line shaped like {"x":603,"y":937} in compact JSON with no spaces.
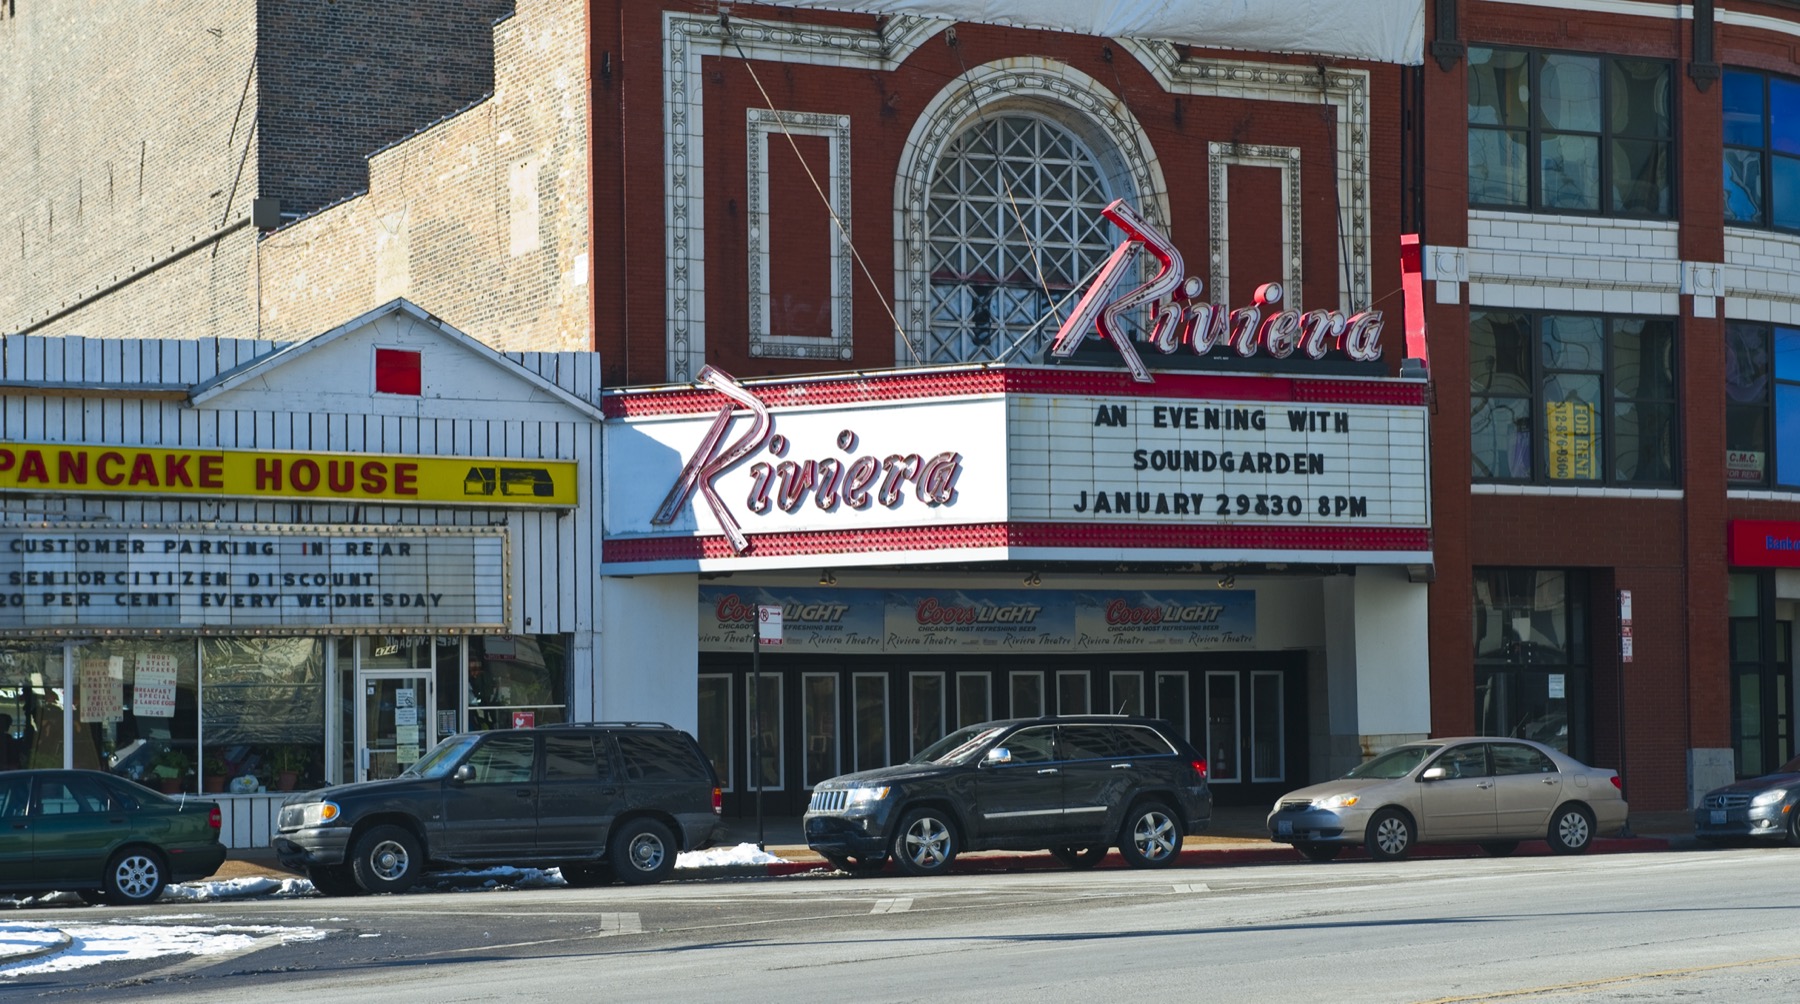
{"x":1697,"y":925}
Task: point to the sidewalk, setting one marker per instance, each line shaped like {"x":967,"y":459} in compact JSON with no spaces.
{"x":1236,"y":836}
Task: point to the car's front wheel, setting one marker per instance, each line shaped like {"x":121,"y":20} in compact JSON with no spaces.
{"x":134,"y":875}
{"x":333,"y":880}
{"x":642,"y":851}
{"x":1320,"y":852}
{"x":1080,"y":858}
{"x":1571,"y":830}
{"x":1390,"y":836}
{"x":1151,"y":837}
{"x":388,"y":859}
{"x":1793,"y":829}
{"x":925,"y":843}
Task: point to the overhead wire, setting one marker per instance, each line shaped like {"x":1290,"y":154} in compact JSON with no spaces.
{"x":836,"y":219}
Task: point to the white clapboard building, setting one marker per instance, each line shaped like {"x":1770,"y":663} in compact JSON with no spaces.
{"x":243,"y":567}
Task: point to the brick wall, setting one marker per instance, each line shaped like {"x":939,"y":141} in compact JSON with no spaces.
{"x":481,"y":219}
{"x":135,"y":144}
{"x":340,"y":79}
{"x":126,"y":138}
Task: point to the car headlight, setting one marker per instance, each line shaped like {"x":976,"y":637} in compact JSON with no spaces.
{"x":1770,"y":797}
{"x":1335,"y":802}
{"x":864,"y":796}
{"x":318,"y":813}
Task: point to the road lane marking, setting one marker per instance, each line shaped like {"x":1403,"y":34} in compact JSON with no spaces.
{"x":899,"y":904}
{"x":1192,"y":887}
{"x":621,"y":923}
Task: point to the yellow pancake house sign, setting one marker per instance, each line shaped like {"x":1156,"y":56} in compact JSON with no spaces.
{"x":289,"y":475}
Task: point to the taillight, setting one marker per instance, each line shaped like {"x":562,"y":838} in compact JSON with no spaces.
{"x":213,"y":819}
{"x":1617,"y":783}
{"x":718,"y":801}
{"x":1199,"y":769}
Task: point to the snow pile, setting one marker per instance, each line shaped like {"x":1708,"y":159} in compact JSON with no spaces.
{"x":238,"y":888}
{"x":742,"y":854}
{"x":92,"y":944}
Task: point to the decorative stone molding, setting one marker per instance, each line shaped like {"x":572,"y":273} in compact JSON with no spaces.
{"x":764,"y":127}
{"x":686,"y":39}
{"x":1286,"y":159}
{"x":1073,"y":98}
{"x":1345,"y":90}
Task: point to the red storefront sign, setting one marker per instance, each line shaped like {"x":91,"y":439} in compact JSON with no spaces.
{"x":1764,"y":543}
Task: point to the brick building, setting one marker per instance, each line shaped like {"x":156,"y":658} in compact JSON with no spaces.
{"x":1619,"y":296}
{"x":434,"y":150}
{"x":1609,"y":497}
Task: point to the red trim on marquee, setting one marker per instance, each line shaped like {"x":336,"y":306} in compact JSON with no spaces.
{"x":868,"y":388}
{"x":935,"y":538}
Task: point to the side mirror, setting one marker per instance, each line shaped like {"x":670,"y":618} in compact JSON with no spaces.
{"x":463,"y":774}
{"x":996,"y":756}
{"x":1434,"y":774}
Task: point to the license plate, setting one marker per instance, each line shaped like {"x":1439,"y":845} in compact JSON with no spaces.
{"x":1718,"y":817}
{"x":1284,"y":827}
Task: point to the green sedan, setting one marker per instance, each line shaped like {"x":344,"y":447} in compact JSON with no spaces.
{"x":101,"y":837}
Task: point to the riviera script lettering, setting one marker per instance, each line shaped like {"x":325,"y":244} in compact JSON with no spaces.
{"x":1180,"y":320}
{"x":850,"y":481}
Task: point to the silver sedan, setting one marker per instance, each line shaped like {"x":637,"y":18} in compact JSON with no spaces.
{"x":1489,"y":790}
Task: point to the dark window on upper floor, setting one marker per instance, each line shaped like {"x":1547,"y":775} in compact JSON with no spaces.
{"x":1565,"y":399}
{"x":1762,"y":150}
{"x":1569,"y":133}
{"x":1762,"y":406}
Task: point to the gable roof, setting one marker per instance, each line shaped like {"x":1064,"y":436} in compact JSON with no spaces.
{"x":247,"y":374}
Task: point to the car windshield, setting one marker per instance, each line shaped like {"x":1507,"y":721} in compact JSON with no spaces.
{"x":442,"y":758}
{"x":959,"y":746}
{"x":1394,"y":763}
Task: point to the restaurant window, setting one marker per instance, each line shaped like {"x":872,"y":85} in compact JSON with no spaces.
{"x":1569,"y":133}
{"x":1762,"y":406}
{"x":1532,"y":662}
{"x":1762,"y":150}
{"x":262,"y":713}
{"x":32,"y":730}
{"x":1564,"y":399}
{"x":518,"y":680}
{"x":1014,"y":226}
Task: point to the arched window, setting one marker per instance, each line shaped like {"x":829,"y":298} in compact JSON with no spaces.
{"x":1014,"y":224}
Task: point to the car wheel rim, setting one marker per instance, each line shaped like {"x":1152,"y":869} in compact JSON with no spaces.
{"x":1574,"y":829}
{"x":390,"y":861}
{"x":1154,"y":836}
{"x":1391,"y":836}
{"x":926,"y":842}
{"x":646,"y":853}
{"x":136,"y":876}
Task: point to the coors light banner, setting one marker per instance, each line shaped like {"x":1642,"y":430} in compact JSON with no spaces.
{"x":893,"y":622}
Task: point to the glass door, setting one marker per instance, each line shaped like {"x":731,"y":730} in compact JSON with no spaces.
{"x":393,"y":721}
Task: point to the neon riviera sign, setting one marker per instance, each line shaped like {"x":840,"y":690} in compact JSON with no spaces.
{"x":853,"y":481}
{"x":1180,"y":320}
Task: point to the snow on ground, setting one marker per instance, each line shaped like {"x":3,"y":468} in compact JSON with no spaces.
{"x":92,"y":944}
{"x":153,"y":936}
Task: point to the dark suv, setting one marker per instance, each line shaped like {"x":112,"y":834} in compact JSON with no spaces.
{"x":602,"y":801}
{"x":1075,"y":785}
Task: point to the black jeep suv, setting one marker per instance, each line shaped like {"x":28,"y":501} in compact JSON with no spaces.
{"x":602,"y":801}
{"x":1075,"y":785}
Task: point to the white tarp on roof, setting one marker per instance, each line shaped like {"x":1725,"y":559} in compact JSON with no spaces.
{"x":1388,"y":31}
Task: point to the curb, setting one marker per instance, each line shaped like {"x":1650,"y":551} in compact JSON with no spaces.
{"x":1195,"y":857}
{"x":14,"y":958}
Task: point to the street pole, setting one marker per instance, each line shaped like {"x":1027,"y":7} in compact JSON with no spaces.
{"x":756,"y":724}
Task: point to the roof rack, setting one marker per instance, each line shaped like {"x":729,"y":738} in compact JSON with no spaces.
{"x":611,"y":725}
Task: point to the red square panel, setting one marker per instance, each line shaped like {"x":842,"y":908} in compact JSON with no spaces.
{"x":396,"y":372}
